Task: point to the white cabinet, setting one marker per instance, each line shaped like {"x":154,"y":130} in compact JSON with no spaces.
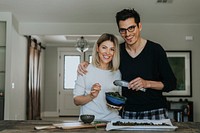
{"x":2,"y":54}
{"x":2,"y":66}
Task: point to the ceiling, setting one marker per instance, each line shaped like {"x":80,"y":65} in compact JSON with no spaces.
{"x":99,"y":11}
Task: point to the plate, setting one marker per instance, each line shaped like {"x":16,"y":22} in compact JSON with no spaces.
{"x":157,"y":125}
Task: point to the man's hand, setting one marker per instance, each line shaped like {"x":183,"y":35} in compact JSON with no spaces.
{"x":82,"y":68}
{"x":141,"y":84}
{"x":137,"y":84}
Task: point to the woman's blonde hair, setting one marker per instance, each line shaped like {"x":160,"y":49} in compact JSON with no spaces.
{"x":114,"y":64}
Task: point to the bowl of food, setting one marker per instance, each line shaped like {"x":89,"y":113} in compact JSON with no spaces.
{"x":86,"y":118}
{"x":114,"y":98}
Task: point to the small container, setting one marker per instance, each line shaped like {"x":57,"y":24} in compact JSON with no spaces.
{"x":113,"y":98}
{"x":87,"y":118}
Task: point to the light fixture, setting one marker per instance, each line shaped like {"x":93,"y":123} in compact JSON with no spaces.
{"x":164,"y":1}
{"x":82,"y":45}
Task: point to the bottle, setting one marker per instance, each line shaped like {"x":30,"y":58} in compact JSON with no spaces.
{"x":179,"y":116}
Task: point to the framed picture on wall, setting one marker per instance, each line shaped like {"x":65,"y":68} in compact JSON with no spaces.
{"x":180,"y":62}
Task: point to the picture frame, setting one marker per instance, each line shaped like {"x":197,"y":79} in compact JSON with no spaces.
{"x":180,"y":62}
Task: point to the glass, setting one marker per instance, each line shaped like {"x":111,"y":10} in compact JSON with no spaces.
{"x":2,"y":58}
{"x":2,"y":33}
{"x":130,"y":29}
{"x":2,"y":82}
{"x":70,"y":67}
{"x":90,"y":58}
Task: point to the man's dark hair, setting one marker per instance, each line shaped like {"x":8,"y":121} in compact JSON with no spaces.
{"x":127,"y":13}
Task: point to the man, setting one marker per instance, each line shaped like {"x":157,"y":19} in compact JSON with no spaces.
{"x":143,"y":64}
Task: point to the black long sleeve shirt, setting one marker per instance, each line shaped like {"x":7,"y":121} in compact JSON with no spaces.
{"x":151,"y":64}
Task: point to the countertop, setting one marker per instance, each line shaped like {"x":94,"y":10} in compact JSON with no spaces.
{"x":12,"y":126}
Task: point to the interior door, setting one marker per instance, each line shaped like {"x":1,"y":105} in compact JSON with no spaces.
{"x":68,"y":62}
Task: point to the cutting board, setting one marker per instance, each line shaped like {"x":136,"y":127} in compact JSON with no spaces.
{"x":73,"y":125}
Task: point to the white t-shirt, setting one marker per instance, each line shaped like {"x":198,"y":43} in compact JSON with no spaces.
{"x":98,"y":106}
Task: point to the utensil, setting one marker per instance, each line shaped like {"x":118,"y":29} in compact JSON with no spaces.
{"x":123,"y":83}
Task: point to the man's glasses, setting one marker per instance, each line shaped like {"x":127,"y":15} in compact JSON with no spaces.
{"x":130,"y":29}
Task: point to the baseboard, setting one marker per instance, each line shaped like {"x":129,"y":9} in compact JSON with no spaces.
{"x":49,"y":114}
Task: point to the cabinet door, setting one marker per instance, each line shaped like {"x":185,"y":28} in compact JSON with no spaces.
{"x":2,"y":58}
{"x":2,"y":66}
{"x":1,"y":108}
{"x":2,"y":33}
{"x":2,"y":54}
{"x":2,"y":81}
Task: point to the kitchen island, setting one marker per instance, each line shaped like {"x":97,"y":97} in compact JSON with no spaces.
{"x":18,"y":126}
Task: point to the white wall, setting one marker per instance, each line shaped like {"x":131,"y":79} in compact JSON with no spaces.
{"x":50,"y":88}
{"x":18,"y":77}
{"x":5,"y":16}
{"x":15,"y":70}
{"x":66,"y":28}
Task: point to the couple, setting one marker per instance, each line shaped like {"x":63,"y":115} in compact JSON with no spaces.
{"x":143,"y":64}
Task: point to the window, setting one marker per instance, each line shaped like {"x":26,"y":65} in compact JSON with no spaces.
{"x":71,"y":63}
{"x":69,"y":59}
{"x":90,"y":58}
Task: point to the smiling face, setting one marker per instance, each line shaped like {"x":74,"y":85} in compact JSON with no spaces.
{"x":106,"y":52}
{"x":130,"y":31}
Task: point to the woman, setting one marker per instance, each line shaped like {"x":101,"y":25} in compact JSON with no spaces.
{"x":90,"y":89}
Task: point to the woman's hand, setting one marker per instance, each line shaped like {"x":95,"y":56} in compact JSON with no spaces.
{"x":82,"y":68}
{"x":95,"y":90}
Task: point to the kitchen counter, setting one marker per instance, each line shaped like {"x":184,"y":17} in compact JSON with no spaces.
{"x":11,"y":126}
